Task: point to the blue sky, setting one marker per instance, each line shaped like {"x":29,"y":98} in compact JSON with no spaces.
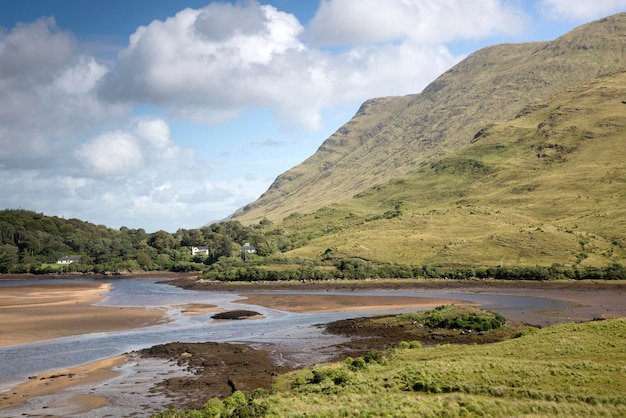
{"x":163,"y":114}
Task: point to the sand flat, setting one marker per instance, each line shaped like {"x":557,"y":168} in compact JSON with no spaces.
{"x":58,"y":380}
{"x":339,"y":303}
{"x":38,"y":312}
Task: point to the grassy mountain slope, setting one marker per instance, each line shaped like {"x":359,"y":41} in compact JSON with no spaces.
{"x":393,"y":137}
{"x":548,"y":186}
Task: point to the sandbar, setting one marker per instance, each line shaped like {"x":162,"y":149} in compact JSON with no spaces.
{"x":315,"y":303}
{"x":58,"y":380}
{"x":38,"y":312}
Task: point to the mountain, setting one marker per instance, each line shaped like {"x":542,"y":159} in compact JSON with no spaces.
{"x":547,"y":187}
{"x":393,"y":137}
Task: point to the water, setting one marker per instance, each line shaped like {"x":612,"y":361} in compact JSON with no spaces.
{"x":20,"y":361}
{"x":293,"y":332}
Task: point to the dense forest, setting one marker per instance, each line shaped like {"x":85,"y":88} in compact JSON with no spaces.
{"x":33,"y":243}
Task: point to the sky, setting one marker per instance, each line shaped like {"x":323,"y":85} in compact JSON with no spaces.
{"x":169,"y":114}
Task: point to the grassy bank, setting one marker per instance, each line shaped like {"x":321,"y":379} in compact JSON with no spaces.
{"x":563,"y":370}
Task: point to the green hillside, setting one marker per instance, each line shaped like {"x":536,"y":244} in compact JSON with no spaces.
{"x":392,"y":137}
{"x":548,"y":186}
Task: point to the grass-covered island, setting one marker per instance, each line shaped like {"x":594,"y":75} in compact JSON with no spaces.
{"x":573,"y":369}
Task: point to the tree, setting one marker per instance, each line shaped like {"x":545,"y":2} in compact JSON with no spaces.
{"x":9,"y":258}
{"x":143,"y":259}
{"x":161,"y":240}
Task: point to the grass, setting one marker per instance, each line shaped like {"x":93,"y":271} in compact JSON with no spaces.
{"x":563,"y":370}
{"x":457,"y":317}
{"x":390,"y":138}
{"x":544,"y":188}
{"x":568,"y":370}
{"x":460,"y":175}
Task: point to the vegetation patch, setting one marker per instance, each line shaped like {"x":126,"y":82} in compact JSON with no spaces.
{"x":563,"y":370}
{"x":457,"y":317}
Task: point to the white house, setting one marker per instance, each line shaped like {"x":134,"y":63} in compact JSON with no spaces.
{"x":69,"y":259}
{"x":200,"y":250}
{"x":247,"y":248}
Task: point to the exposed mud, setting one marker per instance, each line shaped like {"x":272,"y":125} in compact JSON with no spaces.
{"x":236,"y":314}
{"x":382,"y":332}
{"x":217,"y":370}
{"x":220,"y":368}
{"x":191,"y":283}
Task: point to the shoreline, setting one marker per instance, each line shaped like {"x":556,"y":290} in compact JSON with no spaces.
{"x":316,"y":303}
{"x":35,"y":312}
{"x":590,"y":298}
{"x":58,"y":380}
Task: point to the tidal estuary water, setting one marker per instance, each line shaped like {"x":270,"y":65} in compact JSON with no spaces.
{"x":293,"y":332}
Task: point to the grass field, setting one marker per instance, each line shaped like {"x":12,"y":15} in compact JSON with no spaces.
{"x":563,"y":370}
{"x":567,"y":370}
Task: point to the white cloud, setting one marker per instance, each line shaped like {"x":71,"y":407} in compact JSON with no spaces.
{"x":212,"y":64}
{"x":350,"y":22}
{"x":147,"y":146}
{"x":579,"y":10}
{"x":112,"y":153}
{"x":182,"y":64}
{"x":79,"y":78}
{"x":47,"y":95}
{"x":31,"y":50}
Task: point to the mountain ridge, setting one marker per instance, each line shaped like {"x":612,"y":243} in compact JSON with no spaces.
{"x":393,"y":137}
{"x":547,"y":187}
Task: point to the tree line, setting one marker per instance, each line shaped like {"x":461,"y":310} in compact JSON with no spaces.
{"x":32,"y":242}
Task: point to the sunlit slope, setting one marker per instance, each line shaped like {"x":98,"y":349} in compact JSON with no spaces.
{"x":393,"y":137}
{"x":569,"y":370}
{"x":548,"y":186}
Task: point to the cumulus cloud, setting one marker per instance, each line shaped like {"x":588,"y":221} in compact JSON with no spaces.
{"x":147,"y":147}
{"x":579,"y":10}
{"x":208,"y":64}
{"x":47,"y":93}
{"x":33,"y":50}
{"x":350,"y":22}
{"x":112,"y":153}
{"x":211,"y":64}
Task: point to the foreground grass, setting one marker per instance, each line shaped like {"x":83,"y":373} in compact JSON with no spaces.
{"x":563,"y":370}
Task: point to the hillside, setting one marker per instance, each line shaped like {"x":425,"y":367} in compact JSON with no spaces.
{"x":546,"y":187}
{"x":393,"y":137}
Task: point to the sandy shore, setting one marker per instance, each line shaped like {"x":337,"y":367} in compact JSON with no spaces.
{"x":53,"y":382}
{"x":340,"y":303}
{"x":43,"y":311}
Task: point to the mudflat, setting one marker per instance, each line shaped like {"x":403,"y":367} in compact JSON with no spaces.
{"x":38,"y":312}
{"x":58,"y":380}
{"x":340,"y":303}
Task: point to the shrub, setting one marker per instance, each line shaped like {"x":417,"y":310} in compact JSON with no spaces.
{"x":376,"y":356}
{"x":355,"y":364}
{"x":408,"y":345}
